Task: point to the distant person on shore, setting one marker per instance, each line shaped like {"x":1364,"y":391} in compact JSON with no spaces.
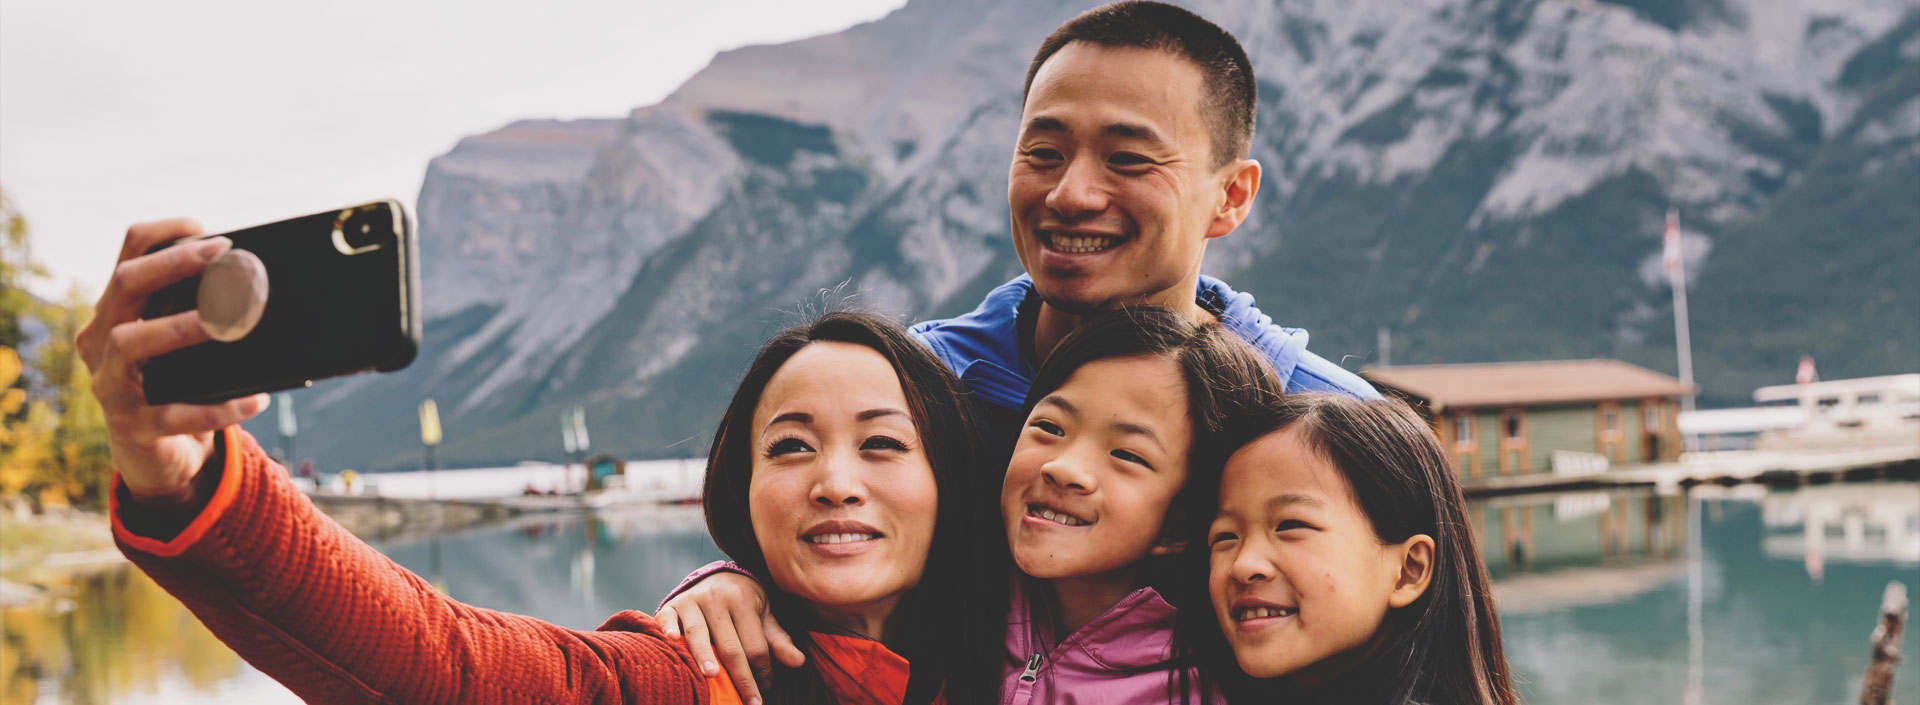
{"x":1341,"y":567}
{"x":844,"y":471}
{"x":1132,"y":154}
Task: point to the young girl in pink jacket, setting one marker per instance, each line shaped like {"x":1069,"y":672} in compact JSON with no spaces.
{"x":1118,"y":457}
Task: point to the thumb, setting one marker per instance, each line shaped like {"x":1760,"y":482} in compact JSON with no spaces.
{"x":781,"y":644}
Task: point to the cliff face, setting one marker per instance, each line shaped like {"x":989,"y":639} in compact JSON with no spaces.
{"x":1484,"y":178}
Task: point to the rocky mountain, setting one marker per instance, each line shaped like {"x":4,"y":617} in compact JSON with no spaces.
{"x":1485,"y":179}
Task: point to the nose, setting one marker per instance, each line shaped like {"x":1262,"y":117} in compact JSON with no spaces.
{"x":1066,"y":474}
{"x":1251,"y":564}
{"x":838,"y":484}
{"x":1079,"y":191}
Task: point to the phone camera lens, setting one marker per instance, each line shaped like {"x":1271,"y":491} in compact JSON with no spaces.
{"x":367,"y":228}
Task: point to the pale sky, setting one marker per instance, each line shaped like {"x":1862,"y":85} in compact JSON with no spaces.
{"x":239,"y":112}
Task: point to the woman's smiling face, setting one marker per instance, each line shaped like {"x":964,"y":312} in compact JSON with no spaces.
{"x":842,"y":499}
{"x":1096,"y":468}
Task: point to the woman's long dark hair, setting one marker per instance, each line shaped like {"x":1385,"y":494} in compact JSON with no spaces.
{"x":950,"y":626}
{"x":1225,"y":379}
{"x":1445,"y":646}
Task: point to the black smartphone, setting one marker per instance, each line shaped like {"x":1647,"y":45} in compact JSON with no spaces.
{"x":342,"y":296}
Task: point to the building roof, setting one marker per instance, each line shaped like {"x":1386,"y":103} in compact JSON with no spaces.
{"x":1526,"y":383}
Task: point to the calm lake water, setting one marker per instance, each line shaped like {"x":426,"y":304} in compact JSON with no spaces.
{"x":1721,"y":596}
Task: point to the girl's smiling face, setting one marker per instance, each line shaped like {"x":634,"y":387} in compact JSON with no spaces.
{"x":1299,"y":581}
{"x":1096,"y":468}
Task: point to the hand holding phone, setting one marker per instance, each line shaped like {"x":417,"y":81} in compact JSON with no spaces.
{"x":324,"y":295}
{"x":330,"y":309}
{"x":158,"y":450}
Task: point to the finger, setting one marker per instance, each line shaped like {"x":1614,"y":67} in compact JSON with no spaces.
{"x":143,"y":236}
{"x":781,"y":645}
{"x":183,"y":419}
{"x":751,"y":635}
{"x":133,"y":342}
{"x":742,"y":651}
{"x":669,"y":622}
{"x":698,"y":643}
{"x":726,"y":642}
{"x":135,"y":279}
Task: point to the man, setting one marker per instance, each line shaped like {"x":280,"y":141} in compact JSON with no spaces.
{"x":1132,"y":154}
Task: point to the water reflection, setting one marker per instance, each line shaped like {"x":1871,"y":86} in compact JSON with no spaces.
{"x":574,"y":570}
{"x":109,"y":636}
{"x":1598,"y":600}
{"x":1599,"y":603}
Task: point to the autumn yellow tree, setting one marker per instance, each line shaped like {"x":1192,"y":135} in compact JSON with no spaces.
{"x":53,"y":440}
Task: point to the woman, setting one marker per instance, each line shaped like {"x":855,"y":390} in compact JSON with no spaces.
{"x":841,"y":469}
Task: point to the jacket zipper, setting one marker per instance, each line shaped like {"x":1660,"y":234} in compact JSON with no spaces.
{"x":1023,"y":692}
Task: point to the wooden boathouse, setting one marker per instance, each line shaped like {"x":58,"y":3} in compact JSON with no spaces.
{"x":1564,"y":416}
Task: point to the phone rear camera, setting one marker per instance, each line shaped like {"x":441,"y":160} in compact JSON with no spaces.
{"x":367,"y":228}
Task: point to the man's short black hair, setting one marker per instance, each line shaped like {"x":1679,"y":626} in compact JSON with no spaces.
{"x":1227,"y":73}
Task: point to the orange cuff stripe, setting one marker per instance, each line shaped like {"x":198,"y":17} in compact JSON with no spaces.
{"x":222,"y":498}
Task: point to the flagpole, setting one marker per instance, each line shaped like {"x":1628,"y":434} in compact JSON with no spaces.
{"x":1683,"y":339}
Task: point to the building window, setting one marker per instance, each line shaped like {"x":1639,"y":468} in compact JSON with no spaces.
{"x":1608,"y":426}
{"x":1516,"y":425}
{"x":1866,"y":398}
{"x":1463,"y":430}
{"x":1653,"y":416}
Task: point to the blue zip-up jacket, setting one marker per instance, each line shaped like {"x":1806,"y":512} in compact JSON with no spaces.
{"x":983,"y":347}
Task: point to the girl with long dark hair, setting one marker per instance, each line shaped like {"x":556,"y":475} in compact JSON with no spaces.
{"x":1341,"y":567}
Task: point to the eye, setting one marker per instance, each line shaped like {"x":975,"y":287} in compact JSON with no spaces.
{"x":1221,"y":537}
{"x":1048,"y":427}
{"x":1043,"y":155}
{"x":1128,"y":159}
{"x":1130,"y":457}
{"x":882,"y":443}
{"x":1291,"y":524}
{"x":788,"y":445}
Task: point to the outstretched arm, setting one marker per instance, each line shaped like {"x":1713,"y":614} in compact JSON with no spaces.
{"x":200,"y":507}
{"x":308,"y":603}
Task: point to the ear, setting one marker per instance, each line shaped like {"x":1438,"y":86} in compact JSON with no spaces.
{"x":1240,"y":181}
{"x":1167,"y":546}
{"x":1416,"y":570}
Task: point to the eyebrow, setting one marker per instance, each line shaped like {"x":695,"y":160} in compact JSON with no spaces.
{"x":872,"y":414}
{"x":1134,"y":429}
{"x":794,"y":416}
{"x":801,"y":417}
{"x":1058,"y":401}
{"x":1131,"y":130}
{"x":1290,"y":499}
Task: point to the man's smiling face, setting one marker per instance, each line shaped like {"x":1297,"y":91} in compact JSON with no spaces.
{"x":1113,"y":189}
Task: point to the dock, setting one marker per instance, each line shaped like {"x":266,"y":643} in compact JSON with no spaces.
{"x":1720,"y":467}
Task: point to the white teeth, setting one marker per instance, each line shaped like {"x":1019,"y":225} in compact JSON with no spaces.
{"x":1057,"y":517}
{"x":1076,"y":244}
{"x":839,"y":538}
{"x":1260,"y":612}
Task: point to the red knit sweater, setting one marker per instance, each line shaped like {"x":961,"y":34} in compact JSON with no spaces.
{"x":306,"y":602}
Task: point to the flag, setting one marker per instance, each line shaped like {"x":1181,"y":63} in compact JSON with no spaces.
{"x":1670,"y":245}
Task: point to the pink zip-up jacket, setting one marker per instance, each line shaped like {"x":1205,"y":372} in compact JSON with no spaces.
{"x":1125,"y":655}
